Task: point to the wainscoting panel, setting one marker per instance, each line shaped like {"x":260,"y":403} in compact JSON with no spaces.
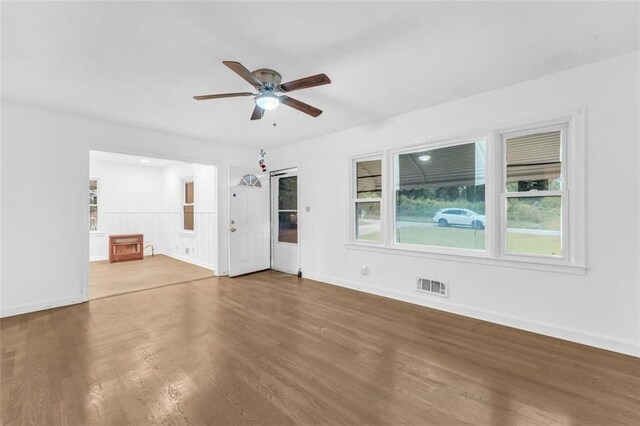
{"x":199,"y":246}
{"x":150,"y":224}
{"x":164,"y":231}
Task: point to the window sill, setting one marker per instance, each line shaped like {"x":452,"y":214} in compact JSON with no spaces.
{"x":188,"y":234}
{"x":466,"y":257}
{"x":96,"y":234}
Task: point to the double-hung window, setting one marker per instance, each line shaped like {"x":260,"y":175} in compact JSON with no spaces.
{"x":440,"y":196}
{"x":93,"y":204}
{"x":187,"y":207}
{"x":513,"y":196}
{"x":367,"y":199}
{"x":535,"y":195}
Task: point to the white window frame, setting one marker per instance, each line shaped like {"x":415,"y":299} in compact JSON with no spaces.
{"x":573,"y":260}
{"x":353,"y":196}
{"x":98,"y":229}
{"x":573,"y":192}
{"x":562,"y":193}
{"x":183,"y":203}
{"x":393,"y":154}
{"x":276,"y":203}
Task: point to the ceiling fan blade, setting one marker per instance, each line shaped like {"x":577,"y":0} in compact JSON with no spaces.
{"x":304,"y":83}
{"x":300,"y":106}
{"x":222,"y":95}
{"x":257,"y":113}
{"x":240,"y":69}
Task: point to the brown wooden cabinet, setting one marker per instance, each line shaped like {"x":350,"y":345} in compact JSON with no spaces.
{"x":126,"y":247}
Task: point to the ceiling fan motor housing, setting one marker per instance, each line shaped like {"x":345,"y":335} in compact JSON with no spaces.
{"x":270,"y":78}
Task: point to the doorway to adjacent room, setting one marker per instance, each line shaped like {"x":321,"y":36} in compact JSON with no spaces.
{"x":152,"y":222}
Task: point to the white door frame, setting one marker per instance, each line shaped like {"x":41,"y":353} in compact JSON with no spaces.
{"x":274,"y":221}
{"x":265,"y":180}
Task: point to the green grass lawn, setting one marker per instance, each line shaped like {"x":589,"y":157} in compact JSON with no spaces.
{"x":474,"y":239}
{"x":442,"y":237}
{"x":371,"y":236}
{"x":534,"y":244}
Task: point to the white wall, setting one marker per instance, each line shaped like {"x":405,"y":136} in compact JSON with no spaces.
{"x":148,"y":199}
{"x":129,"y":201}
{"x":128,"y":187}
{"x":199,"y":246}
{"x":45,"y":157}
{"x":599,"y":308}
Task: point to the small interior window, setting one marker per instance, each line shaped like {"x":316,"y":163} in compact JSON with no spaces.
{"x":250,"y":180}
{"x":188,"y":207}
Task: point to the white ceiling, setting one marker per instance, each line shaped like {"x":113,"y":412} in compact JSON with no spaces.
{"x":140,"y":63}
{"x":133,"y":160}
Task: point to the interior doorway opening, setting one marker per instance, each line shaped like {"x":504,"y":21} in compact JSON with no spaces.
{"x":152,"y":222}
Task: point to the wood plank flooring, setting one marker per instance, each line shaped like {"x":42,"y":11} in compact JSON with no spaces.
{"x":273,"y":349}
{"x":109,"y":279}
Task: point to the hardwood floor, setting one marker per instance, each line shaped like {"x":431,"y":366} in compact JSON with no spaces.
{"x":273,"y":349}
{"x":109,"y":279}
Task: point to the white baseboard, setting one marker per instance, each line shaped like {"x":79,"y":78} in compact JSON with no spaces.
{"x":627,"y":347}
{"x":39,"y":306}
{"x":189,"y":260}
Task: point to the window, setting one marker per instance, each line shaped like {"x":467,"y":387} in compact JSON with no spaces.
{"x":288,"y":209}
{"x":367,"y":199}
{"x":515,"y":197}
{"x":93,"y":204}
{"x":250,"y":180}
{"x":187,"y":207}
{"x":534,"y":193}
{"x":440,"y":196}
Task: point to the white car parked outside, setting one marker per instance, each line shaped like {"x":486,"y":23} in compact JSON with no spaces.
{"x":459,"y":217}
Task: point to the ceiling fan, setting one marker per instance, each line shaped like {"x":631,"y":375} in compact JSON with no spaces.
{"x":267,"y":82}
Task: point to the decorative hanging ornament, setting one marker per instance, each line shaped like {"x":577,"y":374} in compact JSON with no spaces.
{"x":261,"y":163}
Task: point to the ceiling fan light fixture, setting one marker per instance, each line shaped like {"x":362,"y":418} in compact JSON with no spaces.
{"x":267,"y":83}
{"x":267,"y":101}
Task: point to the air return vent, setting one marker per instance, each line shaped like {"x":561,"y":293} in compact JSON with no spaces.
{"x":438,"y":288}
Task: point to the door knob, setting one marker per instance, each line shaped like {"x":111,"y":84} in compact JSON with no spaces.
{"x":233,"y":229}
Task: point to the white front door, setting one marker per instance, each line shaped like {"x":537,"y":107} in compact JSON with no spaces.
{"x":248,"y":221}
{"x":284,"y":221}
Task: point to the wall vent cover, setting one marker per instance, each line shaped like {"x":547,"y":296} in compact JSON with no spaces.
{"x":437,"y":288}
